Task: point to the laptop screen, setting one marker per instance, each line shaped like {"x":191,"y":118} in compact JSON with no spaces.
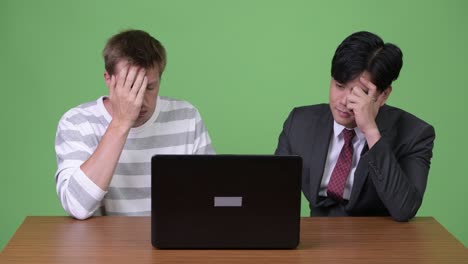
{"x":226,"y":201}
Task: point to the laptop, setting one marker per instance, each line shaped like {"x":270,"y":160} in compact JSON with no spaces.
{"x":225,"y":201}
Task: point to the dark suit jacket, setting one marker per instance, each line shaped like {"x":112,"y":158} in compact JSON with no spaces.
{"x":390,"y":178}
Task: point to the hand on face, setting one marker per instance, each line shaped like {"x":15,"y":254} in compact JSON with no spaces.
{"x":126,"y":92}
{"x":365,"y":106}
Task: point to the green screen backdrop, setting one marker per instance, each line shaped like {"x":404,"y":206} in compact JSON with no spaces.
{"x":244,"y":64}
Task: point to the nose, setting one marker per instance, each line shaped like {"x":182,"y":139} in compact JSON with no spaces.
{"x":344,"y":96}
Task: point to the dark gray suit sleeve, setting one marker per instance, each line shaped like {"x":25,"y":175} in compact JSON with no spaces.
{"x":401,"y":182}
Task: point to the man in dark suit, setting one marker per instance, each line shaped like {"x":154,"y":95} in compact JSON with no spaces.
{"x":360,"y":156}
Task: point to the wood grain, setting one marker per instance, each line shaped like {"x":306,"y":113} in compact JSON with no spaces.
{"x":323,"y":240}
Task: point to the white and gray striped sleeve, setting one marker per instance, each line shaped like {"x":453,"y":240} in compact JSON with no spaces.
{"x":202,"y":142}
{"x":79,"y":196}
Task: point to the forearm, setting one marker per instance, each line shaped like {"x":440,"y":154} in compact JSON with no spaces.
{"x":101,"y":165}
{"x":372,"y":136}
{"x":126,"y":93}
{"x":79,"y":196}
{"x":400,"y":183}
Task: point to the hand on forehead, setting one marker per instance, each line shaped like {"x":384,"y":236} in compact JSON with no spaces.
{"x":123,"y":67}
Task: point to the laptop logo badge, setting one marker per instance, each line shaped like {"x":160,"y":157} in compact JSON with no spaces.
{"x":224,"y":201}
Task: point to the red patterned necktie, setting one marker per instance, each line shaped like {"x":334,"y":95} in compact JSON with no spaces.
{"x":340,"y":173}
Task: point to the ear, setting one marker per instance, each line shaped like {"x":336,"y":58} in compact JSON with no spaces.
{"x":384,"y":96}
{"x":107,"y":78}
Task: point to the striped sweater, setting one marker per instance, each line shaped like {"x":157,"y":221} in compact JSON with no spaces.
{"x":175,"y":128}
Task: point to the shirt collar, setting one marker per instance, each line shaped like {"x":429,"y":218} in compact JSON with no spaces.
{"x":337,"y":128}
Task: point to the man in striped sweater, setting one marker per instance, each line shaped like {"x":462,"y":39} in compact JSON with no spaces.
{"x":104,"y":147}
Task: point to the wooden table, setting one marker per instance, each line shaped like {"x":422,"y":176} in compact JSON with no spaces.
{"x":323,"y":240}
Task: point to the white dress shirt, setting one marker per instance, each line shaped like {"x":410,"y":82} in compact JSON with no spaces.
{"x":334,"y":149}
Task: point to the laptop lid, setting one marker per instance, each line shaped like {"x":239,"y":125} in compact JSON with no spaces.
{"x":226,"y":201}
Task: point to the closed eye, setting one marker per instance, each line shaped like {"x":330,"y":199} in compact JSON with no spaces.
{"x":151,"y":86}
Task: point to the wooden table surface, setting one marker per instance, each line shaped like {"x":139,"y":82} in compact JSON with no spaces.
{"x":110,"y":239}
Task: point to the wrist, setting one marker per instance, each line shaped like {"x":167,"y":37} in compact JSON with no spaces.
{"x":119,"y":128}
{"x":372,"y":136}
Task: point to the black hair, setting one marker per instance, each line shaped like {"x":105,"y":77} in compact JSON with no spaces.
{"x":365,"y":51}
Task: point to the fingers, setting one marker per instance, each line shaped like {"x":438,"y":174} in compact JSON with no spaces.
{"x":122,"y":75}
{"x":372,"y":89}
{"x":353,"y":98}
{"x":353,"y":101}
{"x":358,"y":91}
{"x":141,"y":92}
{"x":137,"y":84}
{"x":129,"y":80}
{"x":357,"y":95}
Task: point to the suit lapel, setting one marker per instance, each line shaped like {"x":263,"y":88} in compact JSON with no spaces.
{"x":320,"y":134}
